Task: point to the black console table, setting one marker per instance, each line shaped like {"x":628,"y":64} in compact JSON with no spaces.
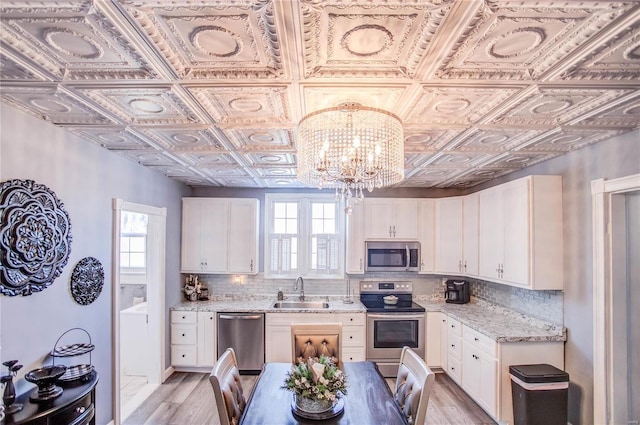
{"x":76,"y":406}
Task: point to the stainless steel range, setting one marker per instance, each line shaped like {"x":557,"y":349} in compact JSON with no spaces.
{"x":391,"y":324}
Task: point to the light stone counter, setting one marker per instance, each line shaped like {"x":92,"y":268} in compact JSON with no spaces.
{"x":498,"y":323}
{"x":265,"y":305}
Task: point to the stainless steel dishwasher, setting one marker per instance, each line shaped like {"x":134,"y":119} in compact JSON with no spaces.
{"x":244,"y":332}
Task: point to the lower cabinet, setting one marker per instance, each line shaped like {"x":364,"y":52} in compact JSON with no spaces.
{"x":480,"y":365}
{"x":433,"y":339}
{"x":278,"y":345}
{"x":193,"y":338}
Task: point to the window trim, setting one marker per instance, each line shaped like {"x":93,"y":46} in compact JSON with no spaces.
{"x":304,"y":202}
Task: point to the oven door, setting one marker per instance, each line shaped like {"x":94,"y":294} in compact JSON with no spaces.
{"x":387,"y":333}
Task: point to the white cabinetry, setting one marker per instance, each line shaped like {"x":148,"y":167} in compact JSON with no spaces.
{"x":520,"y":228}
{"x":278,"y":345}
{"x":444,"y":346}
{"x":449,"y":233}
{"x":426,"y":234}
{"x":219,"y":235}
{"x":454,"y":349}
{"x":390,"y":218}
{"x":470,"y":217}
{"x":355,"y":240}
{"x":193,"y":339}
{"x":480,"y":369}
{"x":433,"y":338}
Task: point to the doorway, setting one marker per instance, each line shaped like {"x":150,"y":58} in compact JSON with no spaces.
{"x":138,"y":304}
{"x":616,"y":215}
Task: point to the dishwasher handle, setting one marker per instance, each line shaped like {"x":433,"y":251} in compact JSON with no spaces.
{"x":239,"y":316}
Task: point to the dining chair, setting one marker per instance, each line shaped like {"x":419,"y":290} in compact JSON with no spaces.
{"x":413,"y":386}
{"x":227,"y":388}
{"x":315,"y":340}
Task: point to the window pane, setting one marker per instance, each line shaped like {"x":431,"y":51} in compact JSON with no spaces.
{"x":292,"y":210}
{"x":124,"y":244}
{"x":137,"y":260}
{"x":292,"y":226}
{"x":124,"y":260}
{"x":317,"y":226}
{"x":280,"y":225}
{"x":137,"y":244}
{"x":279,"y":209}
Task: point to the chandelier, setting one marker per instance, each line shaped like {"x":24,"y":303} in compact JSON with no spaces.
{"x":350,"y":147}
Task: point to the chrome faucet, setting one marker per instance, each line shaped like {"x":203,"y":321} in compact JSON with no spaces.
{"x":295,"y":287}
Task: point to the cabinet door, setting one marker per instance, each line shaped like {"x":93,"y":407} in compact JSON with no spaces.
{"x":432,"y":341}
{"x":213,"y":234}
{"x":377,"y":218}
{"x":491,"y":241}
{"x":470,"y":214}
{"x":191,"y":245}
{"x":444,"y":347}
{"x":243,"y":236}
{"x":278,"y":346}
{"x":206,"y":338}
{"x":404,"y":221}
{"x":449,"y":235}
{"x":488,"y":392}
{"x":470,"y":370}
{"x":516,"y":221}
{"x":355,"y":240}
{"x":427,"y":234}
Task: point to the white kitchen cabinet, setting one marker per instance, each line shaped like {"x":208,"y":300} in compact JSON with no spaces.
{"x":390,"y":218}
{"x":204,"y":235}
{"x":449,"y":234}
{"x":193,"y":339}
{"x":454,"y":350}
{"x":243,"y":228}
{"x":433,"y":339}
{"x":480,"y":369}
{"x":426,"y":235}
{"x":278,"y":345}
{"x":355,"y":240}
{"x":220,"y":235}
{"x":206,"y":341}
{"x":520,"y":233}
{"x":470,"y":224}
{"x":444,"y":346}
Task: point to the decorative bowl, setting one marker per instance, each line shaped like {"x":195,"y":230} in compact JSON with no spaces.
{"x":390,"y":299}
{"x":45,"y":379}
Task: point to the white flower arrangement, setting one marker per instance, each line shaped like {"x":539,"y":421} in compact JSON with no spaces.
{"x":318,"y":379}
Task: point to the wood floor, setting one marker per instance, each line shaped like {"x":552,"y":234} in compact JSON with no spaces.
{"x":187,"y":399}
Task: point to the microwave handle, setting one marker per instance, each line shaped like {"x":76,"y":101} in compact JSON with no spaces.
{"x":406,"y":247}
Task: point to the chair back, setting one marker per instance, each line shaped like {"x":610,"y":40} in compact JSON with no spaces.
{"x":315,"y":340}
{"x":227,"y":388}
{"x":413,"y":386}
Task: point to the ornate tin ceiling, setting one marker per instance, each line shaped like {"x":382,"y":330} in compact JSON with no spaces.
{"x":210,"y":93}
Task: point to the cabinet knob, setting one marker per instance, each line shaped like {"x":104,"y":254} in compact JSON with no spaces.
{"x":453,"y":346}
{"x":183,"y":356}
{"x":184,"y":317}
{"x":351,"y":319}
{"x":80,"y":409}
{"x":251,"y":265}
{"x":476,"y":339}
{"x":351,"y":337}
{"x":361,"y":264}
{"x":453,"y":368}
{"x":183,"y":334}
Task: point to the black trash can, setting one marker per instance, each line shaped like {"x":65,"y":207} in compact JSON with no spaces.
{"x":539,"y":393}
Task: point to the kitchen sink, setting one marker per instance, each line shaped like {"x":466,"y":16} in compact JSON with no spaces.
{"x":301,"y":304}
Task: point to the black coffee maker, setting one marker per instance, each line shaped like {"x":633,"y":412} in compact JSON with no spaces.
{"x":457,"y":291}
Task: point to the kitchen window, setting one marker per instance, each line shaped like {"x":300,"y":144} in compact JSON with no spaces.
{"x":304,"y":237}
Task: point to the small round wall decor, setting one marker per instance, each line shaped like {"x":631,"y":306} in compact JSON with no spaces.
{"x":35,"y":237}
{"x":87,"y":280}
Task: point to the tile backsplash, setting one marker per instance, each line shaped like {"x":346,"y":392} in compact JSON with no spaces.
{"x":542,"y":305}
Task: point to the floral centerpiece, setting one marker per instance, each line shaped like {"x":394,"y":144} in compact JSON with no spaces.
{"x":317,"y":384}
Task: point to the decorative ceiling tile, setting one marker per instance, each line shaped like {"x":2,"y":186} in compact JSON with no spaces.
{"x":422,"y":141}
{"x":261,"y":139}
{"x":72,"y":40}
{"x":276,"y":172}
{"x":206,"y":160}
{"x":14,"y":69}
{"x":283,"y":182}
{"x":184,"y":138}
{"x":457,"y":160}
{"x":355,"y":40}
{"x":148,"y":157}
{"x":272,"y":159}
{"x":492,"y":139}
{"x":516,"y":160}
{"x":238,"y":182}
{"x":550,"y":106}
{"x":619,"y":114}
{"x":112,"y":137}
{"x":246,"y":106}
{"x":228,"y":39}
{"x":144,"y":105}
{"x":381,"y":97}
{"x":567,"y":139}
{"x":522,"y":40}
{"x":455,"y":105}
{"x":52,"y":103}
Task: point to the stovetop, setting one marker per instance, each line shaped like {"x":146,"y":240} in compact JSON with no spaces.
{"x":372,"y":296}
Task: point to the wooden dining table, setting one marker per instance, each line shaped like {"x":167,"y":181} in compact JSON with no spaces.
{"x":369,"y":400}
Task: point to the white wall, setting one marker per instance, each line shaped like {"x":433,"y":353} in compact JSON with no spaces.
{"x":85,"y":178}
{"x":610,"y":159}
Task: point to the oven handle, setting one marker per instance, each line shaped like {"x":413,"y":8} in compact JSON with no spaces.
{"x":393,"y":316}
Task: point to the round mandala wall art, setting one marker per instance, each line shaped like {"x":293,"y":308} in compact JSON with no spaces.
{"x":87,"y":280}
{"x":35,"y":237}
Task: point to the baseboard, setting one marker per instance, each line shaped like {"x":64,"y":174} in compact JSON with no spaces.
{"x":167,"y":373}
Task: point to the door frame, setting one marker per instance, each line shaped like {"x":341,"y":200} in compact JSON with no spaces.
{"x":155,"y":298}
{"x":602,"y":192}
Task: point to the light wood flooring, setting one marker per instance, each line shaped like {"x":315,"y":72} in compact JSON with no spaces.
{"x":187,"y":399}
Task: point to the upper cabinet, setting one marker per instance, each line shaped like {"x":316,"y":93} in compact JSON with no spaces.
{"x":520,"y":233}
{"x":219,"y":235}
{"x":426,"y":234}
{"x":470,"y":223}
{"x":449,"y":234}
{"x":390,"y":218}
{"x":355,"y":240}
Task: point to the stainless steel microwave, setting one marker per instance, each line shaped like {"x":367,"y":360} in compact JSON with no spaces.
{"x":392,"y":256}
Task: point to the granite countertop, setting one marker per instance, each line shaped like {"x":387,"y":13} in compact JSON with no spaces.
{"x":498,"y":323}
{"x":265,"y":305}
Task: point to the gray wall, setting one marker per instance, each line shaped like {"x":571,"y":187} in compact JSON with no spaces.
{"x":85,"y":178}
{"x":611,"y":159}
